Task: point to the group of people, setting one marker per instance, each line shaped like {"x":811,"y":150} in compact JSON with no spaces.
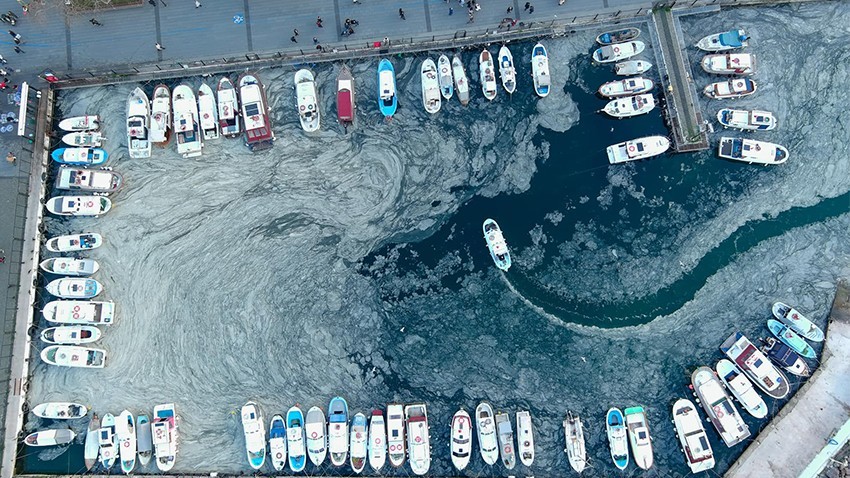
{"x":350,"y":23}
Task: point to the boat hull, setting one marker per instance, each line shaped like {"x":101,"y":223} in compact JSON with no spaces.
{"x":345,"y":97}
{"x":540,"y":70}
{"x":377,"y":441}
{"x":257,"y":125}
{"x":138,"y":124}
{"x":798,"y":322}
{"x":387,"y":97}
{"x":485,"y":426}
{"x":506,"y":69}
{"x":618,"y":52}
{"x":618,"y":442}
{"x":618,"y":36}
{"x":461,"y":439}
{"x":295,"y":439}
{"x":791,"y":338}
{"x":316,"y":428}
{"x":445,"y":75}
{"x":692,"y":436}
{"x":741,"y":388}
{"x":496,"y":245}
{"x":461,"y":80}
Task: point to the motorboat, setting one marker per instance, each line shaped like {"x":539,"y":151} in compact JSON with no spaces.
{"x":540,"y":70}
{"x":505,"y":432}
{"x":733,"y":88}
{"x":79,"y":156}
{"x":785,"y":357}
{"x":187,"y":129}
{"x":396,"y":444}
{"x":431,"y":98}
{"x":316,"y":428}
{"x":632,"y":67}
{"x":125,"y":433}
{"x":755,"y":365}
{"x":164,"y":435}
{"x":640,"y":148}
{"x":487,"y":74}
{"x":277,"y":442}
{"x":345,"y":97}
{"x":70,"y":335}
{"x":751,"y":151}
{"x":461,"y":80}
{"x":74,"y":288}
{"x":741,"y":388}
{"x":692,"y":436}
{"x":295,"y":439}
{"x":228,"y":108}
{"x":100,"y":181}
{"x":486,"y":428}
{"x":719,"y":407}
{"x":69,"y":266}
{"x":138,"y":124}
{"x":791,"y":338}
{"x":615,"y":428}
{"x":107,"y":441}
{"x":639,"y":439}
{"x":797,"y":321}
{"x":359,"y":443}
{"x":82,"y":312}
{"x":307,"y":101}
{"x":507,"y":71}
{"x":461,"y":439}
{"x":618,"y":36}
{"x":92,"y":447}
{"x":497,"y":245}
{"x":61,"y":436}
{"x":418,"y":438}
{"x":80,"y":123}
{"x":626,"y":87}
{"x":446,"y":81}
{"x":255,"y":113}
{"x":630,"y":106}
{"x":74,"y":242}
{"x":525,"y":437}
{"x":731,"y":40}
{"x":377,"y":440}
{"x":84,"y":139}
{"x":574,"y":436}
{"x":78,"y":206}
{"x":751,"y":120}
{"x":73,"y":356}
{"x":255,"y":435}
{"x":208,"y":112}
{"x":618,"y":52}
{"x":60,"y":410}
{"x":144,"y":443}
{"x":338,"y":430}
{"x":387,"y":100}
{"x":160,"y":132}
{"x":729,"y":64}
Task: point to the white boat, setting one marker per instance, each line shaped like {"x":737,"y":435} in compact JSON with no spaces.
{"x":418,"y":438}
{"x":729,"y":64}
{"x":308,"y":106}
{"x":446,"y":83}
{"x":79,"y":156}
{"x":461,"y":439}
{"x":338,"y":430}
{"x":618,"y":36}
{"x":487,"y":74}
{"x":797,"y":322}
{"x":277,"y":442}
{"x":741,"y":388}
{"x":164,"y":435}
{"x":731,"y":40}
{"x":396,"y":445}
{"x":733,"y":88}
{"x":80,"y":123}
{"x":574,"y":436}
{"x":208,"y":113}
{"x":125,"y":432}
{"x":485,"y":425}
{"x":719,"y":407}
{"x":138,"y":124}
{"x":617,"y":52}
{"x":754,"y":120}
{"x":74,"y":242}
{"x":61,"y":436}
{"x":107,"y":441}
{"x":506,"y":69}
{"x":315,"y":425}
{"x":102,"y":181}
{"x":640,"y":148}
{"x":632,"y":67}
{"x":259,"y":134}
{"x":755,"y":365}
{"x":187,"y":130}
{"x":751,"y":151}
{"x":70,"y":335}
{"x":626,"y":87}
{"x":461,"y":81}
{"x":359,"y":443}
{"x":295,"y":439}
{"x":79,"y":206}
{"x":69,"y":266}
{"x":84,"y":139}
{"x":161,"y":115}
{"x":630,"y":106}
{"x":618,"y":442}
{"x":144,"y":443}
{"x":345,"y":104}
{"x":784,"y":356}
{"x":496,"y":245}
{"x":692,"y":436}
{"x":60,"y":410}
{"x":92,"y":446}
{"x":254,"y":431}
{"x":639,"y":439}
{"x":72,"y":356}
{"x":228,"y":108}
{"x":82,"y":312}
{"x":540,"y":70}
{"x":430,"y":86}
{"x":506,"y":440}
{"x":74,"y":288}
{"x":377,"y":440}
{"x":525,"y":437}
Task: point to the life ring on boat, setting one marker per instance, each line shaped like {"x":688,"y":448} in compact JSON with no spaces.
{"x":632,"y":148}
{"x":616,"y":49}
{"x":206,"y":115}
{"x":278,"y":455}
{"x":526,"y":443}
{"x":418,"y":439}
{"x":392,"y":447}
{"x":255,"y":118}
{"x":90,"y":204}
{"x":740,"y":84}
{"x":735,"y":60}
{"x":310,"y":107}
{"x":159,"y":433}
{"x":378,"y":441}
{"x":76,"y":308}
{"x":507,"y":449}
{"x":76,"y":315}
{"x":314,"y":435}
{"x":126,"y":443}
{"x":795,"y":316}
{"x":718,"y":412}
{"x":301,"y":107}
{"x":226,"y":110}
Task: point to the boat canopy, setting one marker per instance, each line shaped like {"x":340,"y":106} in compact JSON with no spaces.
{"x":344,"y":103}
{"x":732,"y":38}
{"x":387,"y":85}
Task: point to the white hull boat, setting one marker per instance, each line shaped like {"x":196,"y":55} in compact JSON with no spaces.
{"x":338,"y":431}
{"x":639,"y":439}
{"x":74,"y":242}
{"x":506,"y":440}
{"x":755,"y":365}
{"x":70,"y":335}
{"x":74,"y":288}
{"x":107,"y":441}
{"x":259,"y":134}
{"x":632,"y":67}
{"x":525,"y":437}
{"x":746,"y":120}
{"x":79,"y":206}
{"x":540,"y":70}
{"x":461,"y":81}
{"x":741,"y":388}
{"x":496,"y":245}
{"x":486,"y":428}
{"x":101,"y":181}
{"x":277,"y":442}
{"x":315,"y":426}
{"x":187,"y":129}
{"x":574,"y":436}
{"x":731,"y":40}
{"x":618,"y":52}
{"x":61,"y":436}
{"x":69,"y":266}
{"x":72,"y":356}
{"x":295,"y":439}
{"x":92,"y":446}
{"x":734,"y":88}
{"x":626,"y":87}
{"x":144,"y":443}
{"x":630,"y":106}
{"x":377,"y":441}
{"x":785,"y":357}
{"x":618,"y":442}
{"x":506,"y":69}
{"x":418,"y":438}
{"x":461,"y":439}
{"x":430,"y":87}
{"x":359,"y":443}
{"x":228,"y":109}
{"x":308,"y":106}
{"x":719,"y":407}
{"x":487,"y":74}
{"x":751,"y":151}
{"x":161,"y":115}
{"x":446,"y":83}
{"x":60,"y":410}
{"x":208,"y":112}
{"x":797,"y":322}
{"x":164,"y":436}
{"x":636,"y":149}
{"x":255,"y":435}
{"x":84,"y":139}
{"x":692,"y":436}
{"x":396,"y":444}
{"x":729,"y":64}
{"x":125,"y":432}
{"x":81,"y":312}
{"x":80,"y":123}
{"x":618,"y":36}
{"x":138,"y":124}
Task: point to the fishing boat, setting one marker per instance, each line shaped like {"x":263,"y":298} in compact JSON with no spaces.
{"x":255,"y":113}
{"x":74,"y":288}
{"x":505,"y":433}
{"x":497,"y":245}
{"x":487,"y":74}
{"x":208,"y":113}
{"x":79,"y":312}
{"x":632,"y":67}
{"x":445,"y":77}
{"x":377,"y":440}
{"x":733,"y":88}
{"x":80,"y":123}
{"x":79,"y":206}
{"x":525,"y":437}
{"x":396,"y":444}
{"x":187,"y":130}
{"x":255,"y":435}
{"x":486,"y":428}
{"x":574,"y":436}
{"x":639,"y":438}
{"x":79,"y":156}
{"x":797,"y":321}
{"x":785,"y":357}
{"x":108,"y":441}
{"x":430,"y":87}
{"x":338,"y":430}
{"x":626,"y":87}
{"x":160,"y":131}
{"x":741,"y":388}
{"x":387,"y":100}
{"x":60,"y":410}
{"x":138,"y":124}
{"x":729,"y":64}
{"x":359,"y":442}
{"x":72,"y":356}
{"x":461,"y":81}
{"x":751,"y":151}
{"x":164,"y":435}
{"x":754,"y":120}
{"x":315,"y":425}
{"x":70,"y":335}
{"x":308,"y":105}
{"x":100,"y":181}
{"x":295,"y":439}
{"x":615,"y":428}
{"x":84,"y":139}
{"x":228,"y":108}
{"x":418,"y":438}
{"x":791,"y":338}
{"x":618,"y":52}
{"x":277,"y":442}
{"x":125,"y":432}
{"x":144,"y":444}
{"x":618,"y":36}
{"x":640,"y":148}
{"x":731,"y":40}
{"x":61,"y":436}
{"x":69,"y":266}
{"x":719,"y":407}
{"x":74,"y":242}
{"x":345,"y":97}
{"x":92,"y":446}
{"x":461,"y":439}
{"x":506,"y":69}
{"x":630,"y":106}
{"x":540,"y":70}
{"x":692,"y":436}
{"x":755,"y":365}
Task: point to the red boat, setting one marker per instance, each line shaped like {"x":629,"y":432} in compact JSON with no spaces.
{"x":255,"y":113}
{"x":345,"y":97}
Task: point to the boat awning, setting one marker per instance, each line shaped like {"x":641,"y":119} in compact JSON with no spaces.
{"x":732,"y":38}
{"x":344,"y":105}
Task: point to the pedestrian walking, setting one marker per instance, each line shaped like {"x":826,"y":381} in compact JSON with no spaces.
{"x":531,"y":9}
{"x":18,"y":49}
{"x":561,"y":2}
{"x":527,"y":6}
{"x":16,"y":37}
{"x":401,"y":14}
{"x":319,"y":47}
{"x":510,"y":9}
{"x":10,"y":118}
{"x":94,"y":21}
{"x":315,"y":40}
{"x":2,"y":85}
{"x":386,"y":40}
{"x":356,"y":2}
{"x":152,"y":2}
{"x":198,"y":4}
{"x":10,"y":158}
{"x":3,"y":72}
{"x":292,"y":39}
{"x":451,"y":11}
{"x":159,"y":47}
{"x":471,"y":18}
{"x":319,"y":22}
{"x":2,"y":60}
{"x":295,"y":31}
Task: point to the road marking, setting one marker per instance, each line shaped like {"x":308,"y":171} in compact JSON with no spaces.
{"x":428,"y":15}
{"x":68,"y":41}
{"x":247,"y":20}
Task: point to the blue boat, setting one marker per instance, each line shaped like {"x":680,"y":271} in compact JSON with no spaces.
{"x":295,"y":439}
{"x":730,"y":40}
{"x":79,"y":156}
{"x":387,"y":100}
{"x":617,"y":439}
{"x":277,"y":442}
{"x":338,"y":430}
{"x":791,"y":338}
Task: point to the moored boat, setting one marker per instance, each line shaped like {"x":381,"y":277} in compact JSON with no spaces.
{"x":396,"y":445}
{"x":345,"y":97}
{"x":387,"y":100}
{"x":430,"y":86}
{"x":79,"y":312}
{"x":359,"y":443}
{"x":160,"y":131}
{"x":79,"y":156}
{"x":574,"y":436}
{"x":72,"y":356}
{"x":751,"y":151}
{"x":255,"y":113}
{"x":125,"y":433}
{"x":540,"y":70}
{"x":505,"y":432}
{"x":80,"y":123}
{"x":164,"y":436}
{"x":61,"y":436}
{"x":729,"y":64}
{"x":692,"y":436}
{"x":228,"y":108}
{"x":626,"y":87}
{"x":639,"y":439}
{"x":632,"y":67}
{"x":90,"y":180}
{"x":306,"y":99}
{"x":255,"y":435}
{"x":461,"y":80}
{"x":445,"y":76}
{"x":84,"y":139}
{"x":486,"y":428}
{"x":316,"y":428}
{"x":92,"y":447}
{"x":755,"y":365}
{"x":630,"y":106}
{"x":785,"y":357}
{"x":74,"y":288}
{"x":719,"y":407}
{"x":791,"y":338}
{"x":754,"y":120}
{"x":731,"y":40}
{"x":338,"y":430}
{"x":187,"y":129}
{"x":496,"y":245}
{"x":507,"y":71}
{"x":640,"y":148}
{"x":618,"y":51}
{"x":138,"y":124}
{"x":107,"y":441}
{"x":70,"y":335}
{"x":618,"y":36}
{"x":461,"y":439}
{"x":797,"y":321}
{"x":144,"y":444}
{"x":741,"y":388}
{"x":69,"y":266}
{"x":733,"y":88}
{"x":487,"y":74}
{"x":295,"y":439}
{"x":78,"y":205}
{"x":525,"y":437}
{"x":74,"y":242}
{"x":418,"y":438}
{"x":377,"y":440}
{"x":208,"y":113}
{"x":277,"y":442}
{"x":618,"y":442}
{"x":60,"y":410}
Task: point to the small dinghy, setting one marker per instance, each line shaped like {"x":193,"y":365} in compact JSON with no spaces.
{"x":295,"y":439}
{"x":125,"y":432}
{"x":785,"y":357}
{"x":461,"y":445}
{"x":525,"y":437}
{"x":359,"y":442}
{"x":338,"y":430}
{"x":729,"y":64}
{"x":107,"y":441}
{"x":639,"y":438}
{"x":734,"y":88}
{"x":540,"y":70}
{"x":308,"y":105}
{"x":74,"y":242}
{"x":574,"y":436}
{"x":72,"y":356}
{"x":387,"y":100}
{"x":161,"y":115}
{"x":60,"y":410}
{"x":345,"y":97}
{"x":640,"y":148}
{"x":396,"y":445}
{"x":751,"y":151}
{"x":277,"y":442}
{"x":461,"y":81}
{"x":92,"y":446}
{"x":208,"y":112}
{"x":486,"y":428}
{"x":632,"y":67}
{"x":446,"y":83}
{"x":506,"y":440}
{"x":255,"y":435}
{"x":79,"y":156}
{"x":630,"y":106}
{"x":754,"y":120}
{"x":69,"y":266}
{"x":615,"y":427}
{"x":731,"y":40}
{"x":496,"y":245}
{"x":315,"y":425}
{"x":618,"y":52}
{"x":92,"y":206}
{"x":187,"y":129}
{"x":797,"y":321}
{"x":377,"y":440}
{"x":755,"y":365}
{"x":618,"y":36}
{"x":741,"y":388}
{"x":84,"y":139}
{"x":164,"y":435}
{"x":791,"y":338}
{"x":506,"y":69}
{"x":418,"y":438}
{"x":487,"y":74}
{"x":143,"y":439}
{"x":228,"y":108}
{"x":80,"y":123}
{"x":79,"y":312}
{"x":692,"y":436}
{"x":74,"y":288}
{"x":430,"y":87}
{"x":101,"y":181}
{"x":138,"y":124}
{"x":259,"y":133}
{"x":626,"y":87}
{"x":70,"y":335}
{"x":61,"y":436}
{"x":719,"y":407}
